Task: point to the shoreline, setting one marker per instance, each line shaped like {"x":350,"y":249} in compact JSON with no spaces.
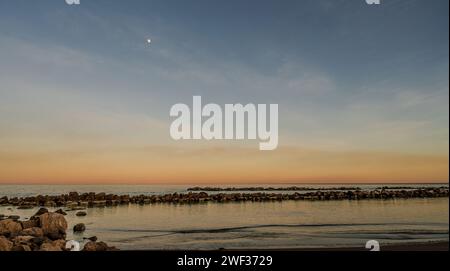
{"x":413,"y":246}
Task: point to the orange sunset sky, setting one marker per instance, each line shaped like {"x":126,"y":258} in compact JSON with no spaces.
{"x":85,"y":99}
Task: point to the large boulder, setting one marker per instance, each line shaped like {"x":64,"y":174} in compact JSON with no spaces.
{"x":53,"y":225}
{"x":9,"y":227}
{"x":5,"y":244}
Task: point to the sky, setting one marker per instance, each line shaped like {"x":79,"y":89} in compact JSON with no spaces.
{"x":362,"y":90}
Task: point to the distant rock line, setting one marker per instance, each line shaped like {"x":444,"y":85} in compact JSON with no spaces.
{"x":74,"y":201}
{"x":260,"y":188}
{"x":297,"y":188}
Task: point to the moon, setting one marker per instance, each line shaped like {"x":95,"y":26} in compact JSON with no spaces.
{"x":149,"y":41}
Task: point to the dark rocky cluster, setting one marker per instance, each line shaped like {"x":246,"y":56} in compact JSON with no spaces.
{"x":44,"y":231}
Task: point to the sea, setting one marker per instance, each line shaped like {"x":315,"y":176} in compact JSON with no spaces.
{"x":248,"y":225}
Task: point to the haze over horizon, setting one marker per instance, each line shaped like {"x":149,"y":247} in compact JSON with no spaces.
{"x":362,"y":90}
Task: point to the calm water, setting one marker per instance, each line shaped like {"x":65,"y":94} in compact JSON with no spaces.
{"x":288,"y":224}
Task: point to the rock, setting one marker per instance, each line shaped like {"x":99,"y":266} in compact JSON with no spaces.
{"x":41,"y":211}
{"x":14,"y":217}
{"x":9,"y":228}
{"x":5,"y":244}
{"x":34,"y":231}
{"x":90,"y":246}
{"x":60,"y":211}
{"x":37,"y":240}
{"x":60,"y":243}
{"x":93,"y":238}
{"x":50,"y":203}
{"x":50,"y":247}
{"x":4,"y":200}
{"x":55,"y":236}
{"x":81,"y":213}
{"x":73,"y":196}
{"x":29,"y":223}
{"x":100,"y":196}
{"x":97,"y":246}
{"x":71,"y":204}
{"x":53,"y":225}
{"x":22,"y":240}
{"x":79,"y":227}
{"x":21,"y":248}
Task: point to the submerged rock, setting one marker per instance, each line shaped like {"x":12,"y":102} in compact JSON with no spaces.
{"x":92,"y":238}
{"x":81,"y":213}
{"x":78,"y":208}
{"x":80,"y":227}
{"x":25,"y":207}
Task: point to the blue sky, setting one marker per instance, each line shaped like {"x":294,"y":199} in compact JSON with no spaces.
{"x":347,"y":76}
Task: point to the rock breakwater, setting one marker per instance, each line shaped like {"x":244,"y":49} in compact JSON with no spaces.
{"x":74,"y":201}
